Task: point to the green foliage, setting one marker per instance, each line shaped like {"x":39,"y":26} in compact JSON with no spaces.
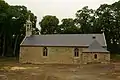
{"x":3,"y":6}
{"x":49,"y":24}
{"x":84,"y":19}
{"x":68,"y":27}
{"x":12,"y":29}
{"x":36,"y":31}
{"x":108,"y":21}
{"x":115,"y":57}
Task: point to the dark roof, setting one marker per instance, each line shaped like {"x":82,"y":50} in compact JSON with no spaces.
{"x":95,"y":47}
{"x":64,"y":40}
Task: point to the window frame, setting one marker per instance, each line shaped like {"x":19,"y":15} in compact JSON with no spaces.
{"x":95,"y":56}
{"x":76,"y":52}
{"x":45,"y":51}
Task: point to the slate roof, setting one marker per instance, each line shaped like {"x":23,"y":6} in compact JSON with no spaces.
{"x":64,"y":40}
{"x":95,"y":47}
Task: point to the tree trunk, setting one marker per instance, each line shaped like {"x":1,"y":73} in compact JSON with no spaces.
{"x":14,"y":51}
{"x":4,"y":40}
{"x":0,"y":44}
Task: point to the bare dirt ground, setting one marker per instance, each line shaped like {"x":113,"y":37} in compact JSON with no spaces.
{"x":17,"y":71}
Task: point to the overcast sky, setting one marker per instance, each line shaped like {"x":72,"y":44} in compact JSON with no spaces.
{"x":60,"y":8}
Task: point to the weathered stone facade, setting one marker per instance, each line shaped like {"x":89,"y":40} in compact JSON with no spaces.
{"x":60,"y":55}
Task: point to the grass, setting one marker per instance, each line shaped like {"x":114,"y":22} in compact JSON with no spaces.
{"x":8,"y":59}
{"x":115,"y":57}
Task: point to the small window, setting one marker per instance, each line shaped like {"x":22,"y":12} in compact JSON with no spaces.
{"x":95,"y":56}
{"x":45,"y":51}
{"x":27,"y":25}
{"x":94,"y":37}
{"x":76,"y":52}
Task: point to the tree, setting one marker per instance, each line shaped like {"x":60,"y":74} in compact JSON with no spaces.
{"x":49,"y":24}
{"x":84,"y":19}
{"x":17,"y":24}
{"x":12,"y":29}
{"x":3,"y":18}
{"x":68,"y":27}
{"x":36,"y":31}
{"x":108,"y":20}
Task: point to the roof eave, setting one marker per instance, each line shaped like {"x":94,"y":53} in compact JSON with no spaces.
{"x":28,"y":45}
{"x":23,"y":41}
{"x":95,"y":51}
{"x":22,"y":45}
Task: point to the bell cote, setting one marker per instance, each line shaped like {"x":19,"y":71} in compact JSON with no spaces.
{"x":28,"y":26}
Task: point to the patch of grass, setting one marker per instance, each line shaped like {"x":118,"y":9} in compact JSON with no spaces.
{"x":115,"y":57}
{"x":7,"y":59}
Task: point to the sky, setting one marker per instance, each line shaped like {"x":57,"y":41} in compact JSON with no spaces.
{"x":59,"y":8}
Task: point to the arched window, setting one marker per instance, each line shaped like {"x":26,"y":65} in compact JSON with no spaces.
{"x":76,"y":52}
{"x":95,"y":56}
{"x":44,"y":51}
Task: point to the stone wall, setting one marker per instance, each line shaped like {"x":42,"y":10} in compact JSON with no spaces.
{"x":56,"y":55}
{"x":101,"y":58}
